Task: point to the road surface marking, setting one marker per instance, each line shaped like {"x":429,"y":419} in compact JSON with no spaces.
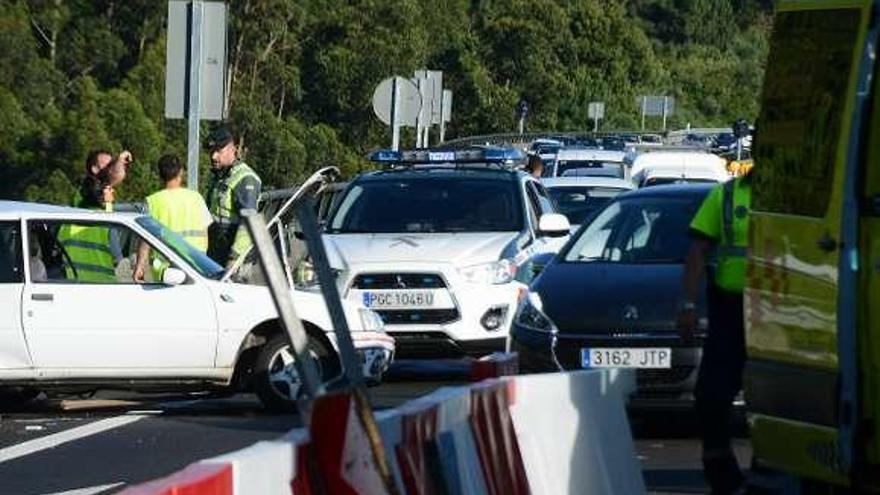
{"x":90,"y":490}
{"x":56,"y":439}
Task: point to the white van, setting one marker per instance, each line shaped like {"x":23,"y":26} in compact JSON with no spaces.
{"x":661,"y":167}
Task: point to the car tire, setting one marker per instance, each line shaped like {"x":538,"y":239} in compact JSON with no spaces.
{"x":276,"y":381}
{"x":13,"y":398}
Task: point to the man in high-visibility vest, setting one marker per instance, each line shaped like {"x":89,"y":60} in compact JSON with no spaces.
{"x":234,"y":187}
{"x":88,"y":251}
{"x":179,"y":209}
{"x":722,"y":224}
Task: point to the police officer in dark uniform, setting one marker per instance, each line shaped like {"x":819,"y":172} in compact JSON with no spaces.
{"x":720,"y":225}
{"x":234,"y":187}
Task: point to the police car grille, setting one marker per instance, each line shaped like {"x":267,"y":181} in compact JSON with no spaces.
{"x":398,"y":281}
{"x":418,"y":316}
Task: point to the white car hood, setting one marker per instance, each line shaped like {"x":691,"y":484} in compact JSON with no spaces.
{"x":460,"y":248}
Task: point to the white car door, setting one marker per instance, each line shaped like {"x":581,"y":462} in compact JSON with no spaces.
{"x":116,"y":324}
{"x":13,"y":349}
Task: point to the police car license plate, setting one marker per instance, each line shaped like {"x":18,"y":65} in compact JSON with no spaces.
{"x":623,"y":357}
{"x":399,"y":299}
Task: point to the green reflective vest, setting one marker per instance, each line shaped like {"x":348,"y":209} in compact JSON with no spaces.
{"x":724,"y":216}
{"x":222,"y":204}
{"x":88,"y":248}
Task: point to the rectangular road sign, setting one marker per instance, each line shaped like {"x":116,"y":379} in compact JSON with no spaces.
{"x":596,"y":110}
{"x":656,"y":106}
{"x":212,"y":62}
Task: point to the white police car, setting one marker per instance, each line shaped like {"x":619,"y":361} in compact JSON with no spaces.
{"x":433,"y":244}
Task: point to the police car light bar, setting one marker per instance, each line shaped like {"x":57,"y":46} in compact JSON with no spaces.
{"x":429,"y":158}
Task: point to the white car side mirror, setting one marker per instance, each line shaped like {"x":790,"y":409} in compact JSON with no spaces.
{"x":554,"y":225}
{"x":173,"y":276}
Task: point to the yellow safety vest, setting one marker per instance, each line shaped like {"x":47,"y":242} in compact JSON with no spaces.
{"x":181,"y":210}
{"x":222,"y":208}
{"x":89,"y":250}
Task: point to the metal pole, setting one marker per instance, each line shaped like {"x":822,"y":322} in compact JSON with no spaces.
{"x":395,"y":118}
{"x":195,"y":94}
{"x":305,"y":212}
{"x":665,"y":100}
{"x":419,"y":118}
{"x":595,"y":124}
{"x":739,"y":148}
{"x":443,"y":104}
{"x":304,"y":362}
{"x":522,"y":124}
{"x":644,"y":109}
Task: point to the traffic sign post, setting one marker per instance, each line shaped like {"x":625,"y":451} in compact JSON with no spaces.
{"x":656,"y":106}
{"x":522,"y":110}
{"x":397,"y":102}
{"x":445,"y":112}
{"x":195,"y":70}
{"x":596,"y":112}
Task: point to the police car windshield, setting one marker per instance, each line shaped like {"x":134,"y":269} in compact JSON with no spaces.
{"x":433,"y":204}
{"x":200,"y":261}
{"x":637,"y":231}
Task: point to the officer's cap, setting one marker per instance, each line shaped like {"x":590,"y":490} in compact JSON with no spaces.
{"x":219,"y":137}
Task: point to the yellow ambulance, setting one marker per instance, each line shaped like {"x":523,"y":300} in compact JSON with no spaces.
{"x":812,"y":300}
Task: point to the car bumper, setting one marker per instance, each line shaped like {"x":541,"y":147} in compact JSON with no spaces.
{"x":654,"y":387}
{"x":375,"y":352}
{"x":462,"y":331}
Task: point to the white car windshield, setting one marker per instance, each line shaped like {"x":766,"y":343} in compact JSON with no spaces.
{"x":198,"y":260}
{"x":398,"y":205}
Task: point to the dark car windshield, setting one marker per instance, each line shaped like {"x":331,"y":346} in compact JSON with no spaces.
{"x":579,"y":202}
{"x":459,"y":204}
{"x":638,"y":231}
{"x":662,"y":181}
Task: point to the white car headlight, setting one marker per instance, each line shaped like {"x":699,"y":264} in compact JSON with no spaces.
{"x":371,"y":321}
{"x":494,"y":272}
{"x":531,"y":314}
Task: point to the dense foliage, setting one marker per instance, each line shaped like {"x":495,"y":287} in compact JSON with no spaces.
{"x":82,"y":74}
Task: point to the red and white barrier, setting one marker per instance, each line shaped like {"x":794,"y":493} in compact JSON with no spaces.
{"x":197,"y":479}
{"x":561,"y":433}
{"x":574,"y":433}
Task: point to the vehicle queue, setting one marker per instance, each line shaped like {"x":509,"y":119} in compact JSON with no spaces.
{"x":433,"y":255}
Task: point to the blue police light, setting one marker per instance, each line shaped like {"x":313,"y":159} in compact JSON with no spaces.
{"x":389,"y":156}
{"x":489,"y":155}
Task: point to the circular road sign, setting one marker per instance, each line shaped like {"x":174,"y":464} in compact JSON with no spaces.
{"x":409,"y":103}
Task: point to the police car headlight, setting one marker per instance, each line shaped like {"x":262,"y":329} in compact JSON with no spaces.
{"x":531,"y":314}
{"x":495,"y":272}
{"x":371,"y":321}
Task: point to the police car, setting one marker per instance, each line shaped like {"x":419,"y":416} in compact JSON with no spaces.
{"x":433,"y":244}
{"x":190,"y":331}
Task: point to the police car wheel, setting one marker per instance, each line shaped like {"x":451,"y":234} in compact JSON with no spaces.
{"x":277,"y":382}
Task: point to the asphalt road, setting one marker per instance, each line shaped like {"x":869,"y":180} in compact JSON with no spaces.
{"x":99,"y":445}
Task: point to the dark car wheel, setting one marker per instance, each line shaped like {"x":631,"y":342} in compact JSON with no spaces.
{"x":276,"y":380}
{"x":13,"y":398}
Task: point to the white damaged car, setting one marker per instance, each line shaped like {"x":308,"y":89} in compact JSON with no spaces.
{"x":62,"y":331}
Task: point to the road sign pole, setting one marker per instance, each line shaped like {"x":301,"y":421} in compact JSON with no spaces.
{"x":644,"y":110}
{"x":596,"y":124}
{"x":665,"y":103}
{"x":195,"y":94}
{"x":395,"y":115}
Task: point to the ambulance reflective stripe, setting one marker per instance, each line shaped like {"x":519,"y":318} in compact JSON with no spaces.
{"x":88,"y":249}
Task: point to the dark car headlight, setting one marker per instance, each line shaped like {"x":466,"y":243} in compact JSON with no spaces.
{"x":531,"y":314}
